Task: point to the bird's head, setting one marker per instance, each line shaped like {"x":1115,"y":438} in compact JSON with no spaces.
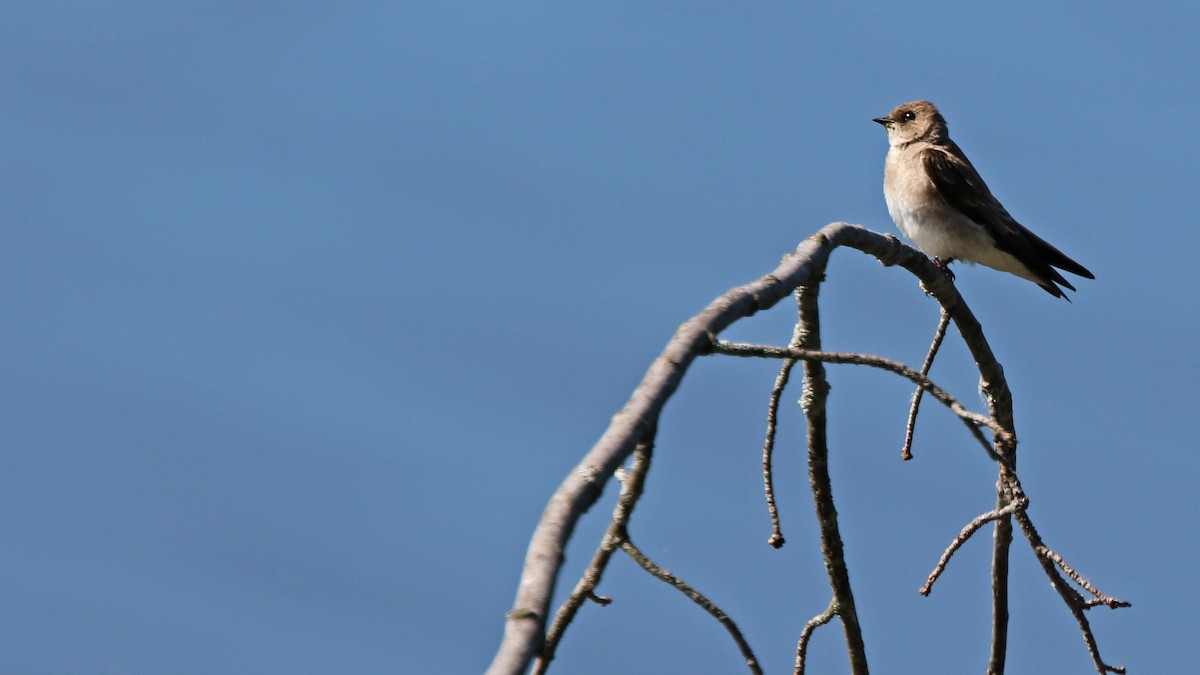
{"x":914,"y":121}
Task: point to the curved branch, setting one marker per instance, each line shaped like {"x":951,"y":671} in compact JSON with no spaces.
{"x":806,"y":634}
{"x":697,"y":597}
{"x":526,"y":622}
{"x":964,"y":535}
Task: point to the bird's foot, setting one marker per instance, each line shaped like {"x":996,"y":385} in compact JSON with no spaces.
{"x":944,"y":266}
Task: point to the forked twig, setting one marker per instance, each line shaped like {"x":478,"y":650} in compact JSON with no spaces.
{"x":806,"y":634}
{"x":1098,"y":598}
{"x":1052,"y":563}
{"x":631,"y":490}
{"x":964,"y":535}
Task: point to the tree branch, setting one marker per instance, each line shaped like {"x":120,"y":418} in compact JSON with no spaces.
{"x":816,"y":393}
{"x":806,"y":634}
{"x":972,"y":420}
{"x":524,"y":629}
{"x":526,"y":622}
{"x":631,"y":490}
{"x":911,"y":425}
{"x":785,"y":371}
{"x":698,"y":598}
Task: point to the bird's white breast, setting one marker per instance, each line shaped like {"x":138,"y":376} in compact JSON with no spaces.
{"x":925,"y":218}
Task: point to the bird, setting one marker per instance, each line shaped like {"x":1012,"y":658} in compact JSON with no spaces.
{"x":940,"y":203}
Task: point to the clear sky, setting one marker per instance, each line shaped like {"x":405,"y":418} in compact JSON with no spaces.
{"x":308,"y":308}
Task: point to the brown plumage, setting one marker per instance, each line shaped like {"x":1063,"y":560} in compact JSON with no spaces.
{"x":940,"y":202}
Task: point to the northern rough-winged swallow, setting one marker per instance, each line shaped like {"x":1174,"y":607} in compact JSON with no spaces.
{"x":939,"y":202}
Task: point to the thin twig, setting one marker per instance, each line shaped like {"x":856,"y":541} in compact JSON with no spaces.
{"x":631,"y":490}
{"x":806,"y":634}
{"x":698,"y":598}
{"x":1051,"y":564}
{"x":768,"y":446}
{"x":973,"y":420}
{"x":1100,"y":598}
{"x":776,"y":539}
{"x":938,"y":336}
{"x":962,"y":538}
{"x":602,"y":600}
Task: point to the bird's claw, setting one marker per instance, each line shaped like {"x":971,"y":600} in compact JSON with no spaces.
{"x":944,"y":266}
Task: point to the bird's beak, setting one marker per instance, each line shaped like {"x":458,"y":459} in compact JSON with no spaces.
{"x":885,"y":121}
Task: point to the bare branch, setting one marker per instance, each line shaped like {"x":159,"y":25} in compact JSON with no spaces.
{"x":910,"y":426}
{"x":698,"y":598}
{"x":816,"y":392}
{"x":631,"y":490}
{"x":973,"y":420}
{"x":525,"y":626}
{"x":964,"y":535}
{"x":776,"y":539}
{"x":806,"y":634}
{"x":523,"y":631}
{"x":1051,"y":563}
{"x":1098,"y":597}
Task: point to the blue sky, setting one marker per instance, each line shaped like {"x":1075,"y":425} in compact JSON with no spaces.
{"x":310,"y":308}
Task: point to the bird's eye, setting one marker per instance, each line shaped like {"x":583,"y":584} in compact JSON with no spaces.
{"x":909,"y":116}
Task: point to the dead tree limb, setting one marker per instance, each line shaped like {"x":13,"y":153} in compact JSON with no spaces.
{"x":812,"y":401}
{"x":526,"y":622}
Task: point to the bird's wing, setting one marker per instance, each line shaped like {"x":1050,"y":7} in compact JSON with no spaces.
{"x":961,"y":186}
